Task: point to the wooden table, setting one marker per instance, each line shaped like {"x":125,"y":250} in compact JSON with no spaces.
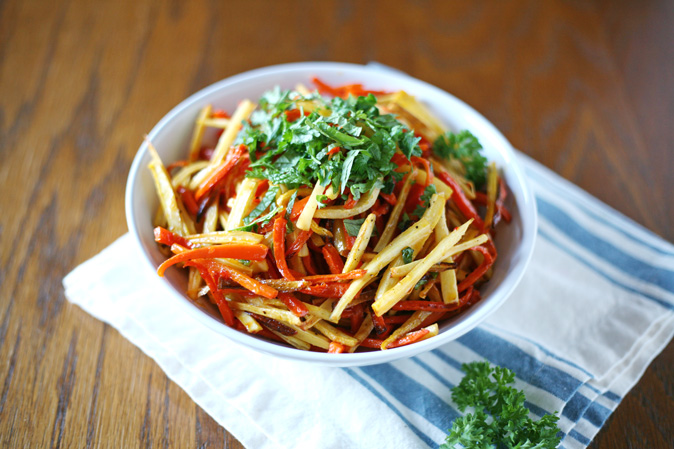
{"x":583,"y":87}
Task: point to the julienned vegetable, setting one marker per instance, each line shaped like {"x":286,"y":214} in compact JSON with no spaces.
{"x":332,"y":223}
{"x":500,"y":419}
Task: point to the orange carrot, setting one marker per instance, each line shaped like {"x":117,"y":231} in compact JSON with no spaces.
{"x":333,"y":258}
{"x":246,"y":251}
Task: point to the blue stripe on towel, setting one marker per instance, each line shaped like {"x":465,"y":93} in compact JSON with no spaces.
{"x":369,"y":387}
{"x":413,"y":395}
{"x":527,"y":367}
{"x":545,"y":181}
{"x":661,"y":277}
{"x":601,"y":273}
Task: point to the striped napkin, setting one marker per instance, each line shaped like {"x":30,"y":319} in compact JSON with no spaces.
{"x":593,"y":310}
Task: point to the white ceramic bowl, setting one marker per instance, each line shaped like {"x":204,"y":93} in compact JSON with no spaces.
{"x":171,"y":138}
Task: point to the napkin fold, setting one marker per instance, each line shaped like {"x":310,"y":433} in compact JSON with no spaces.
{"x":595,"y":307}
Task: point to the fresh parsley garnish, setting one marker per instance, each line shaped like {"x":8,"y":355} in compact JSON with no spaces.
{"x":500,"y":420}
{"x":296,"y":153}
{"x":353,"y":226}
{"x":464,"y":147}
{"x":408,"y":255}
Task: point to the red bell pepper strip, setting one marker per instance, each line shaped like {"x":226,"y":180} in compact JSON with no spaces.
{"x":293,"y":304}
{"x":389,"y":198}
{"x":219,"y":174}
{"x":220,"y":301}
{"x":479,"y":271}
{"x":299,"y":242}
{"x":350,"y":202}
{"x":248,"y":251}
{"x":414,"y":197}
{"x":333,"y":258}
{"x":167,"y":237}
{"x":373,"y":343}
{"x":408,"y":339}
{"x":396,"y":319}
{"x":336,"y":347}
{"x":357,"y":317}
{"x":279,"y":248}
{"x":188,"y":201}
{"x":459,"y":198}
{"x":308,"y":263}
{"x":380,"y":326}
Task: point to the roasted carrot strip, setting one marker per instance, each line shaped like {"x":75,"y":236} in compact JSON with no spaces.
{"x":249,"y":251}
{"x":479,"y":271}
{"x":308,"y":263}
{"x":350,"y":202}
{"x":293,"y":304}
{"x":170,"y":167}
{"x":409,"y":338}
{"x":279,"y":251}
{"x":336,"y":347}
{"x":167,"y":237}
{"x":230,"y":161}
{"x":355,"y":274}
{"x":333,"y":258}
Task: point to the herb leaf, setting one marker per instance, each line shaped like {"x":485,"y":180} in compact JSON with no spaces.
{"x":353,"y":226}
{"x":265,"y":202}
{"x":500,"y":420}
{"x":297,"y":153}
{"x":408,"y":255}
{"x":464,"y":147}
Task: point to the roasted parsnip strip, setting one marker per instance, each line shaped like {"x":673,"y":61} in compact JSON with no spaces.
{"x":335,"y":334}
{"x":242,"y":205}
{"x":220,"y":237}
{"x":226,"y":140}
{"x":177,"y":220}
{"x":415,"y":233}
{"x":448,"y":284}
{"x":405,"y":286}
{"x":364,"y":204}
{"x":360,"y":245}
{"x":394,"y":217}
{"x":198,"y":133}
{"x":284,"y":316}
{"x":306,"y":217}
{"x":405,"y":269}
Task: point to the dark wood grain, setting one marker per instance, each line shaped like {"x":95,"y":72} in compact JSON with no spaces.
{"x":586,"y":88}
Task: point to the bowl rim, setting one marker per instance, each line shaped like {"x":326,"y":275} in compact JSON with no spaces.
{"x":529,"y":226}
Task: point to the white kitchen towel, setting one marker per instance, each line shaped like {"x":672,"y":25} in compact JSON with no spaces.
{"x":593,"y":310}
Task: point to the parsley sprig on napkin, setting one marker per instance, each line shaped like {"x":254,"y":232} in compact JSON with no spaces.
{"x":500,"y":420}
